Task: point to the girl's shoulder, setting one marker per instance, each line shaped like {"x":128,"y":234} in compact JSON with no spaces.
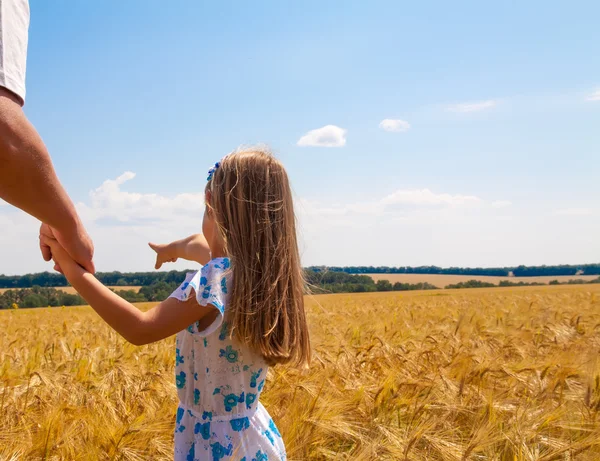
{"x":209,"y":285}
{"x":215,"y":272}
{"x":217,"y":265}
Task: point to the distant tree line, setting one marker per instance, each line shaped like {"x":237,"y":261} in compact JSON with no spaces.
{"x":342,"y":282}
{"x":48,"y":279}
{"x":52,"y":297}
{"x":518,"y":271}
{"x":38,"y":297}
{"x":318,"y":283}
{"x":509,"y":283}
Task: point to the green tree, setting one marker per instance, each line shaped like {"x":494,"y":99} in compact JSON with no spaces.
{"x":384,"y":285}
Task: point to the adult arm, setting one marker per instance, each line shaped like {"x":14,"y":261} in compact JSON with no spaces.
{"x":29,"y":182}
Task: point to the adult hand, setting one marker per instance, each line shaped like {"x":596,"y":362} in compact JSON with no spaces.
{"x":79,"y":246}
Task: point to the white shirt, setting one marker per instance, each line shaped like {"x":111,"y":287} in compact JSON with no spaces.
{"x":14,"y":29}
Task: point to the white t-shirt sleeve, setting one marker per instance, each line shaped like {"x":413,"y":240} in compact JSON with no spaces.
{"x":14,"y":30}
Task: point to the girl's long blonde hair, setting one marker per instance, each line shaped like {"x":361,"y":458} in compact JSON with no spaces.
{"x":252,"y":202}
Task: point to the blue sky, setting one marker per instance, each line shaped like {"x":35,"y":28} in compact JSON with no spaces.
{"x":496,"y":161}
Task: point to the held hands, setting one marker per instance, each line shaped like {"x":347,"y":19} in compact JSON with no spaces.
{"x":165,"y":253}
{"x":79,"y":247}
{"x":63,"y":262}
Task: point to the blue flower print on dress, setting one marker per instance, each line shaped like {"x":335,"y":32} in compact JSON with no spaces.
{"x":255,"y":376}
{"x":260,"y":456}
{"x":230,"y":401}
{"x":223,"y":333}
{"x":230,"y":354}
{"x":178,"y":357}
{"x":226,"y":263}
{"x":240,"y":424}
{"x":185,"y":285}
{"x":261,"y":385}
{"x":250,"y":399}
{"x":191,"y":456}
{"x":203,"y":281}
{"x":205,"y":342}
{"x":203,"y":429}
{"x":220,"y":451}
{"x":207,"y":415}
{"x":206,"y":292}
{"x":268,"y":435}
{"x":273,"y":428}
{"x":224,"y":285}
{"x":180,"y":380}
{"x":196,"y":396}
{"x":180,"y":413}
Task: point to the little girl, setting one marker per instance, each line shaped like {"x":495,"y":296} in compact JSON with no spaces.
{"x":242,"y":312}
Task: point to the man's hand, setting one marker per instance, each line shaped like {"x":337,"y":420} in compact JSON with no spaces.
{"x":62,"y":259}
{"x":165,"y":253}
{"x":79,"y":246}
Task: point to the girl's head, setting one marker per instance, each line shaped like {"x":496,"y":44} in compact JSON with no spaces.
{"x":250,"y":218}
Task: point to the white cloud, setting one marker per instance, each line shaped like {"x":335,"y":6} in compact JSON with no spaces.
{"x":425,"y":197}
{"x":475,"y":106}
{"x":400,"y":201}
{"x":109,"y":201}
{"x":327,"y":136}
{"x":395,"y":125}
{"x":594,"y":96}
{"x":501,"y":203}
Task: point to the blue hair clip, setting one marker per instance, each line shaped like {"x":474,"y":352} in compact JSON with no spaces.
{"x":212,"y":171}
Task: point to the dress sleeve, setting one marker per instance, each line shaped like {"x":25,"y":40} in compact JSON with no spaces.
{"x":209,"y":286}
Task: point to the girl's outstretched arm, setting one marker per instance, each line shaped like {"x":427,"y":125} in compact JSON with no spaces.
{"x":136,"y":326}
{"x":193,"y":248}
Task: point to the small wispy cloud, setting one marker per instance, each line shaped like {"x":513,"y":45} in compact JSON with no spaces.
{"x":574,"y":212}
{"x":594,"y":95}
{"x":394,"y":125}
{"x":501,"y":203}
{"x":425,"y":197}
{"x":475,"y":106}
{"x":327,"y":136}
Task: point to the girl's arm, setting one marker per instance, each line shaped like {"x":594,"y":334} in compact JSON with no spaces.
{"x":137,"y":327}
{"x":193,"y":248}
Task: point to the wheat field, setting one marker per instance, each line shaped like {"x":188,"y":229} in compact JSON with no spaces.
{"x":490,"y":374}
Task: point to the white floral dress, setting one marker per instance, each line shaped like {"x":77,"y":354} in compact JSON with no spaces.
{"x":219,"y":382}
